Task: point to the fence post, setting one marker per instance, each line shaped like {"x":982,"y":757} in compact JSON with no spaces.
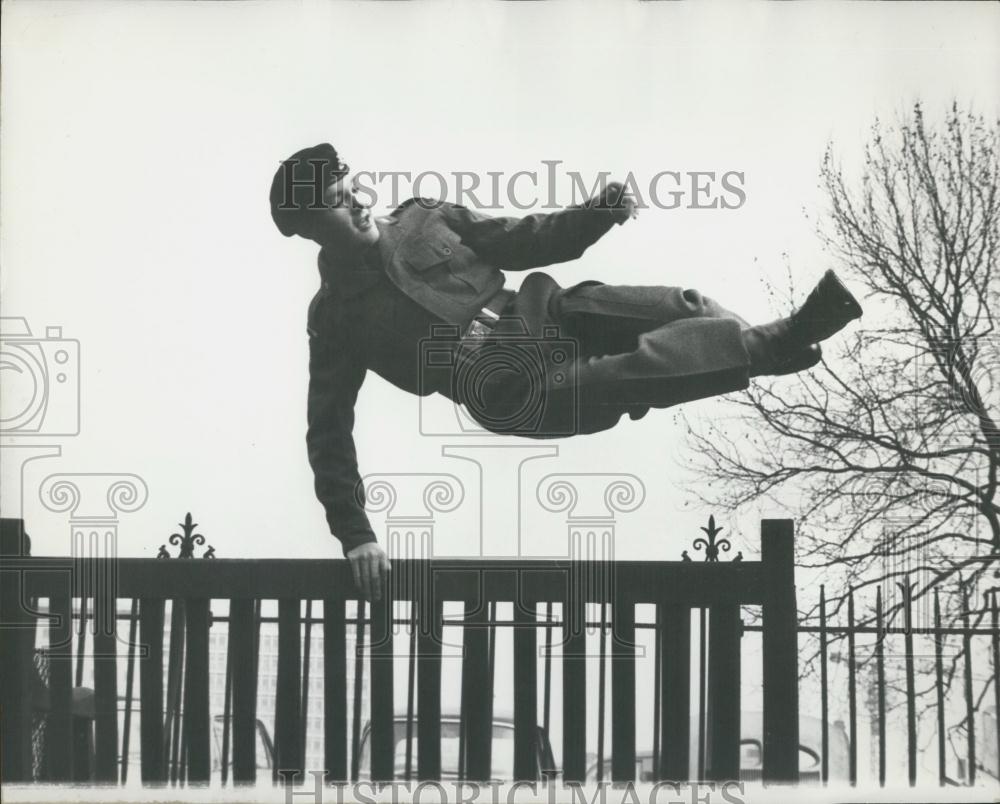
{"x":153,"y":767}
{"x":382,"y":686}
{"x":288,"y":693}
{"x":15,"y":661}
{"x":525,"y":689}
{"x":622,"y":685}
{"x":780,"y":645}
{"x":723,"y":716}
{"x":673,"y":764}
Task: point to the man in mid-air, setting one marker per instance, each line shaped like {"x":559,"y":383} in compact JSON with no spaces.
{"x":419,"y":298}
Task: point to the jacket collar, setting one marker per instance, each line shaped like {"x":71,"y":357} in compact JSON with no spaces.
{"x":350,"y":278}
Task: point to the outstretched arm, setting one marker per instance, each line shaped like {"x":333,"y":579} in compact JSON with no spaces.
{"x":334,"y":381}
{"x":541,"y":239}
{"x":335,"y":377}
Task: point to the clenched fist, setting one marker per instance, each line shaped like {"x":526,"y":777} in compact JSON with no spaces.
{"x":370,"y":566}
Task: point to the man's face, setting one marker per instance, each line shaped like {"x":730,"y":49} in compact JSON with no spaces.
{"x":344,"y":223}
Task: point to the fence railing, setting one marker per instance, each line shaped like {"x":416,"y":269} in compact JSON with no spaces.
{"x":910,"y":643}
{"x":42,"y":595}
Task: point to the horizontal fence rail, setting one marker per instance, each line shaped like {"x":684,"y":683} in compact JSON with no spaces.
{"x":693,"y":584}
{"x":173,"y":656}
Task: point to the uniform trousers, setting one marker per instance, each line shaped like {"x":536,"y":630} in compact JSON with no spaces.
{"x":568,"y":361}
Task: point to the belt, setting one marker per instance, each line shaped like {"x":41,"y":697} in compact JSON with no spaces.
{"x":485,"y":321}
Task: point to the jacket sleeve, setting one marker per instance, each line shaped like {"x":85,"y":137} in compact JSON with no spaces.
{"x":335,"y":377}
{"x":535,"y":240}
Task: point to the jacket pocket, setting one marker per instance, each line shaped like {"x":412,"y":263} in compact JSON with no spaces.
{"x":431,"y":248}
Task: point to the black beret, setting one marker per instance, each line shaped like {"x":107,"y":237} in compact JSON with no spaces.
{"x":299,"y":182}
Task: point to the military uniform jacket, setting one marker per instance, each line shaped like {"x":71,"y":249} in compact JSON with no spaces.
{"x":434,"y":262}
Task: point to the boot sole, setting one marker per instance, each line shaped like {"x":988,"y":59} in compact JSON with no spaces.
{"x":835,"y":307}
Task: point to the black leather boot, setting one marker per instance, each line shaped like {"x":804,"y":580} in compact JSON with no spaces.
{"x":776,"y":350}
{"x":827,"y":309}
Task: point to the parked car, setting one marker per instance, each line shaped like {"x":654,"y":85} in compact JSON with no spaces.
{"x":83,"y":735}
{"x":502,"y":760}
{"x":264,"y":752}
{"x":751,"y":752}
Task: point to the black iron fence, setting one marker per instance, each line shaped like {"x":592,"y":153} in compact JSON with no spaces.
{"x":42,"y":596}
{"x":935,"y":666}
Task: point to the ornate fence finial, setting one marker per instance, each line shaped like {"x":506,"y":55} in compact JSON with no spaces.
{"x":187,"y":541}
{"x":712,"y":545}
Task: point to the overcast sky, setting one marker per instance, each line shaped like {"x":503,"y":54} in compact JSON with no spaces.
{"x":139,"y":141}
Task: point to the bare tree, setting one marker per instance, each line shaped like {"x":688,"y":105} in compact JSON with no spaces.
{"x":888,"y":454}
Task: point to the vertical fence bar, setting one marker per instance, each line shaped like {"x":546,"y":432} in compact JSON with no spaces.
{"x":476,"y":697}
{"x":359,"y":676}
{"x":657,"y":687}
{"x":880,"y":670}
{"x":105,"y":684}
{"x":180,"y":746}
{"x":411,"y":677}
{"x":547,"y":684}
{"x":675,"y":694}
{"x":623,"y":684}
{"x":381,"y":693}
{"x":227,"y":703}
{"x":16,"y":655}
{"x":306,"y":657}
{"x":601,"y":686}
{"x":823,"y":683}
{"x":175,"y":671}
{"x":288,"y":692}
{"x":852,"y":691}
{"x":197,"y":734}
{"x":463,"y":740}
{"x":911,"y":695}
{"x":970,"y":710}
{"x":780,"y":648}
{"x":243,"y":645}
{"x":153,"y":768}
{"x":702,"y":690}
{"x":335,"y":689}
{"x":258,"y":605}
{"x":81,"y":645}
{"x":129,"y":686}
{"x":939,"y":641}
{"x":574,"y":680}
{"x":256,"y":641}
{"x":995,"y":640}
{"x":464,"y":706}
{"x":59,"y":731}
{"x":429,"y":688}
{"x":491,"y":674}
{"x":724,"y":693}
{"x":525,"y":690}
